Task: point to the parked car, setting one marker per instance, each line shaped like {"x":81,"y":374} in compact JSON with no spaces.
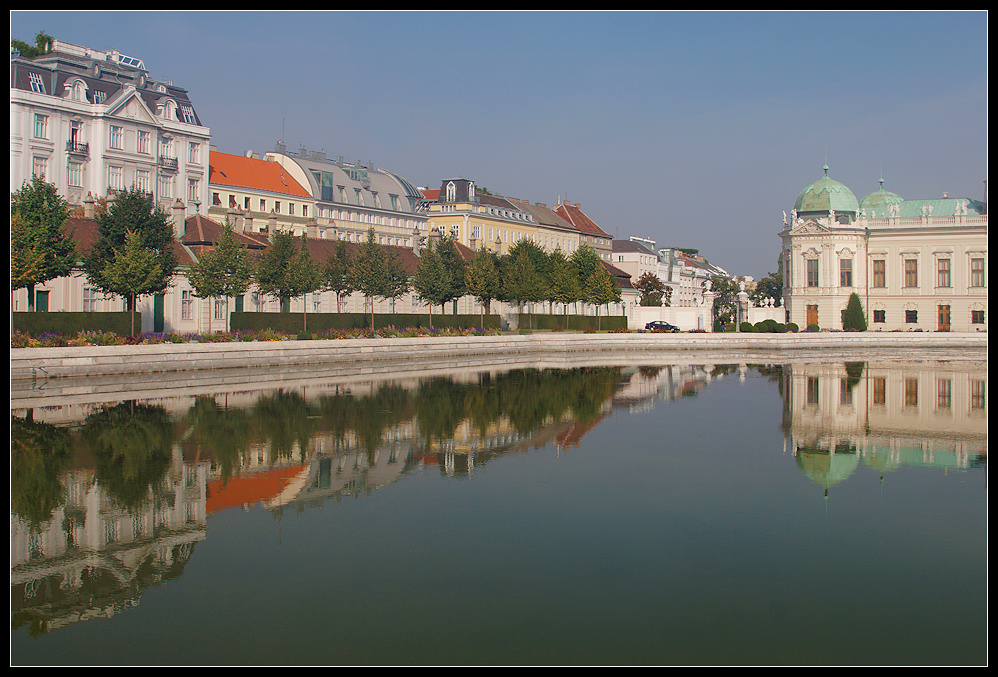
{"x":659,"y":325}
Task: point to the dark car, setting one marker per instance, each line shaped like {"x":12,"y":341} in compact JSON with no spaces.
{"x":659,"y":325}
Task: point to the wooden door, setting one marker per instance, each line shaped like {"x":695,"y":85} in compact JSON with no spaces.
{"x":812,"y":316}
{"x":943,"y":318}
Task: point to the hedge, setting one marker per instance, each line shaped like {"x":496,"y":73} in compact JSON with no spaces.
{"x":71,"y":323}
{"x":576,"y":322}
{"x":292,"y":323}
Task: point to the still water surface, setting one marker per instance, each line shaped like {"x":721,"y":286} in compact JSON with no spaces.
{"x":679,"y":514}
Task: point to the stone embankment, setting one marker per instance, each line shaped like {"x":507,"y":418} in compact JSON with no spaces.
{"x":54,"y":363}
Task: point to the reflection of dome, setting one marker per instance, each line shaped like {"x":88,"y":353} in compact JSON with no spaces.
{"x":826,"y":195}
{"x":879,"y":201}
{"x":827,"y":468}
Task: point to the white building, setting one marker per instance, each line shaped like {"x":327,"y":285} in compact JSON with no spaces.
{"x":917,"y":265}
{"x":94,"y":122}
{"x":352,"y":197}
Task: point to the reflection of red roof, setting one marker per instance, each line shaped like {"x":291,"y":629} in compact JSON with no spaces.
{"x":249,"y":488}
{"x":238,"y":171}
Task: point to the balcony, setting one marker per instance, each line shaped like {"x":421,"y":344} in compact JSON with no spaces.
{"x":80,"y":148}
{"x":169,"y":163}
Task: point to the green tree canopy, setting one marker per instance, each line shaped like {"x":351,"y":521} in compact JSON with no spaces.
{"x":39,"y":247}
{"x":43,"y":45}
{"x":287,"y":270}
{"x":483,"y":279}
{"x":853,"y":317}
{"x":133,"y":271}
{"x":337,"y":274}
{"x":652,"y":289}
{"x":225,"y":270}
{"x":131,"y":211}
{"x":377,"y":272}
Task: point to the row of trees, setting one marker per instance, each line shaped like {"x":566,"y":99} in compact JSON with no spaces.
{"x":134,"y":256}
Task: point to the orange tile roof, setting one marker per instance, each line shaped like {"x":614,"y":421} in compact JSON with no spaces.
{"x":238,"y":171}
{"x":574,"y":215}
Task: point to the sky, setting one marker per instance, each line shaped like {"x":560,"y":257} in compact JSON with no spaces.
{"x":694,"y":129}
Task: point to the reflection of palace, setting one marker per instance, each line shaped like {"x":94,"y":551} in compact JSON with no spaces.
{"x":884,"y":415}
{"x":94,"y":558}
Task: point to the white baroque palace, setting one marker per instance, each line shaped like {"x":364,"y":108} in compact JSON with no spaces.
{"x":93,"y":122}
{"x":916,"y":265}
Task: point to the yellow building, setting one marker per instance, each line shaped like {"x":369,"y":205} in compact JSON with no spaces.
{"x":479,"y":219}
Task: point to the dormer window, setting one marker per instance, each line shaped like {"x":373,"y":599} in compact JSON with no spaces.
{"x":37,"y":83}
{"x":188,"y":114}
{"x":451,"y":192}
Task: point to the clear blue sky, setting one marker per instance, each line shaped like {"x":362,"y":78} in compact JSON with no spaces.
{"x":694,"y":129}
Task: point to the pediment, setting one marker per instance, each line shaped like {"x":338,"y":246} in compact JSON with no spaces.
{"x":130,"y":106}
{"x":809,"y":227}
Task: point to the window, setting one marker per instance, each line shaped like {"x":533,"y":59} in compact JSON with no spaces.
{"x":39,"y":166}
{"x":186,"y":305}
{"x":89,"y":299}
{"x":911,"y":392}
{"x":142,"y":181}
{"x":943,"y":273}
{"x":115,"y":178}
{"x":944,"y":393}
{"x":977,"y":317}
{"x":880,"y":391}
{"x":879,"y":273}
{"x":193,"y":152}
{"x":143,"y":143}
{"x":845,"y":273}
{"x":37,"y":83}
{"x":812,"y":272}
{"x":911,"y":272}
{"x":879,"y":316}
{"x":219,"y":309}
{"x":41,"y":126}
{"x":188,"y":114}
{"x":978,"y":394}
{"x":192,"y":190}
{"x":911,"y":316}
{"x":76,"y":174}
{"x":263,"y":205}
{"x":117,"y":137}
{"x":99,"y":96}
{"x":812,"y":390}
{"x":845,"y":392}
{"x":165,"y":186}
{"x":977,"y":272}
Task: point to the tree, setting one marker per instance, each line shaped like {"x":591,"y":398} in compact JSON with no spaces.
{"x":521,"y":282}
{"x":43,"y":45}
{"x":587,"y":262}
{"x":377,"y":273}
{"x":440,"y":275}
{"x":725,"y":298}
{"x":652,"y":289}
{"x":224,"y":270}
{"x":770,"y":287}
{"x":431,"y":280}
{"x":564,"y":281}
{"x":40,"y":250}
{"x":287,"y":271}
{"x":853,"y":318}
{"x":337,"y":275}
{"x":483,"y":280}
{"x":131,"y":211}
{"x":133,"y":271}
{"x":600,"y":290}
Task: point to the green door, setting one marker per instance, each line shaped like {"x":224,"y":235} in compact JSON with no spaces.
{"x":158,"y":316}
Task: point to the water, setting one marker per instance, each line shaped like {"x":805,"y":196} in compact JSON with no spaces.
{"x":678,"y":514}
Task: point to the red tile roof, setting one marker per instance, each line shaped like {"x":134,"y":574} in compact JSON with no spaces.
{"x":238,"y":171}
{"x":574,"y":215}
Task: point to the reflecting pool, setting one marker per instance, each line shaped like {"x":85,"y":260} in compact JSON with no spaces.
{"x":811,"y":513}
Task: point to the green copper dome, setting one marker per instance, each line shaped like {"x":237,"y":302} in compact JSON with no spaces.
{"x":826,"y":195}
{"x":878,"y":202}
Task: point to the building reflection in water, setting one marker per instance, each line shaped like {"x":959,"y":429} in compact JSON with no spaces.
{"x":109,"y":500}
{"x":838,"y":417}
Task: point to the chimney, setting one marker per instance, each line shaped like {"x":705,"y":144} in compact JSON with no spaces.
{"x":88,"y":206}
{"x":312,"y":230}
{"x":415,"y":241}
{"x":179,"y":218}
{"x":434,"y":239}
{"x":248,"y":222}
